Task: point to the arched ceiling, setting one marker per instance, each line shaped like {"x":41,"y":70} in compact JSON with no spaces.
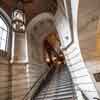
{"x":31,"y":7}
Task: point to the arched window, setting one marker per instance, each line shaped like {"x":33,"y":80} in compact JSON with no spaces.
{"x":4,"y":30}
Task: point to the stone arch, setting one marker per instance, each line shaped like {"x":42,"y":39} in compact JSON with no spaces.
{"x":5,"y":16}
{"x":38,"y":28}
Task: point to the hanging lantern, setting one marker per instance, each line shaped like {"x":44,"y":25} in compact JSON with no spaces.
{"x":18,"y":18}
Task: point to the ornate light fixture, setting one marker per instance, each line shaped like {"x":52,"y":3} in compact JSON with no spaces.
{"x":18,"y":17}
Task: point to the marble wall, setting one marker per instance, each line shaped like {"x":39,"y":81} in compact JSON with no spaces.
{"x":5,"y":82}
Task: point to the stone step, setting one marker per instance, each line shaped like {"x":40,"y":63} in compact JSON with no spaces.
{"x":64,"y":97}
{"x":57,"y":88}
{"x":56,"y":91}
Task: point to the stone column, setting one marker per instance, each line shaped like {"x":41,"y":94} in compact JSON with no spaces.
{"x":19,"y":57}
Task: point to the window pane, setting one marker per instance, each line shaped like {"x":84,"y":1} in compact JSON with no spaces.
{"x":3,"y":44}
{"x":4,"y":35}
{"x":2,"y":24}
{"x":0,"y":32}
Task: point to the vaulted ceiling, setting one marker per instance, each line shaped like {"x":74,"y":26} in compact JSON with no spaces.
{"x":31,"y":7}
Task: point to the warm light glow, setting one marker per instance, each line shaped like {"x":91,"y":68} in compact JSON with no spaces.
{"x":98,"y":38}
{"x":59,"y":62}
{"x":61,"y":55}
{"x":47,"y":60}
{"x":54,"y":58}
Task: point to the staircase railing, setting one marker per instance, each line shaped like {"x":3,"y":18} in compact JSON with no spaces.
{"x":73,"y":86}
{"x":76,"y":55}
{"x":83,"y":94}
{"x":28,"y":94}
{"x":74,"y":91}
{"x":96,"y":98}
